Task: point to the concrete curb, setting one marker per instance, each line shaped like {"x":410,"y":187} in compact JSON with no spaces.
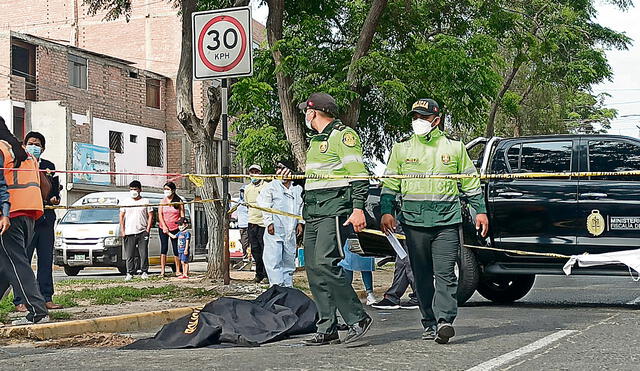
{"x":121,"y":323}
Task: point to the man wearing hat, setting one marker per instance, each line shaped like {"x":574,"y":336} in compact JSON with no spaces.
{"x":333,"y":212}
{"x":256,"y":224}
{"x":431,"y":213}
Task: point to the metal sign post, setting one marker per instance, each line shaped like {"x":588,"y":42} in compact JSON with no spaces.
{"x":225,"y":180}
{"x":223,"y":48}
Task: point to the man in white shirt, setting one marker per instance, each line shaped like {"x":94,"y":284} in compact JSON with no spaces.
{"x":135,"y":226}
{"x":280,"y":238}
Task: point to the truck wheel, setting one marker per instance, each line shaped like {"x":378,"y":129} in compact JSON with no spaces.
{"x":507,"y":288}
{"x":468,"y":273}
{"x":72,"y":271}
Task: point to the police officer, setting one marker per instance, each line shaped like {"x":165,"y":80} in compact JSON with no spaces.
{"x":431,"y":213}
{"x":333,"y":212}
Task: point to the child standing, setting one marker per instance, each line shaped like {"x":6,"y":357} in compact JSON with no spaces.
{"x":184,"y":239}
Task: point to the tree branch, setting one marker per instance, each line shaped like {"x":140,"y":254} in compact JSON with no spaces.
{"x":367,"y":32}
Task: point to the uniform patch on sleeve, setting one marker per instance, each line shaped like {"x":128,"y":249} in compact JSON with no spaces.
{"x":349,"y":139}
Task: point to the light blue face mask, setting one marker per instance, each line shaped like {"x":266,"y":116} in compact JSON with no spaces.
{"x":34,"y":150}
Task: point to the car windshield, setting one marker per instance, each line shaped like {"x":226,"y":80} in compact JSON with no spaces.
{"x":94,"y":216}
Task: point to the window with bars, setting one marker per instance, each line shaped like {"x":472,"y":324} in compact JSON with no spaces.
{"x":154,"y":152}
{"x":77,"y":71}
{"x":153,"y":93}
{"x":116,"y":142}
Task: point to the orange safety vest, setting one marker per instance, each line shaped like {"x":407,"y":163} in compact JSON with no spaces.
{"x":24,"y":186}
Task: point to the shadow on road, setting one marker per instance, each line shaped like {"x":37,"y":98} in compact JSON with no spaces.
{"x":554,"y":305}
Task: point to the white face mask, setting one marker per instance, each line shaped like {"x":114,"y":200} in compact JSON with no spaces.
{"x":167,"y":193}
{"x":307,"y":121}
{"x":134,"y":194}
{"x":422,"y":126}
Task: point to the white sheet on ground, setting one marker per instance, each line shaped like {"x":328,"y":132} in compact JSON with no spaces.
{"x":630,"y":258}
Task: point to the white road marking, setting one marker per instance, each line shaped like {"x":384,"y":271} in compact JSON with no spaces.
{"x":508,"y":357}
{"x":634,"y":301}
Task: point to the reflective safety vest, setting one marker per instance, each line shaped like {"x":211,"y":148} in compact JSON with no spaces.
{"x":431,"y":202}
{"x":335,"y":151}
{"x":24,"y":186}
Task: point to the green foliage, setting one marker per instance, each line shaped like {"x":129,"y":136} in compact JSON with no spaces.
{"x":6,"y":307}
{"x":460,"y":53}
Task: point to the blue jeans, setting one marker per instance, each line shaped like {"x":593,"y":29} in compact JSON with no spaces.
{"x":367,"y":279}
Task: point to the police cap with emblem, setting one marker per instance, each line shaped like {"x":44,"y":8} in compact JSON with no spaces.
{"x":321,"y":102}
{"x":426,"y":107}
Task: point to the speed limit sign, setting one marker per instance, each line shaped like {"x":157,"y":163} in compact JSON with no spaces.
{"x":222,"y":43}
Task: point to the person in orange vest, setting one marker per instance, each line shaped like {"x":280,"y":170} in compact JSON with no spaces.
{"x":20,"y":207}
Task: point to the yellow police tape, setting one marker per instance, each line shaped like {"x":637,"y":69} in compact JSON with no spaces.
{"x":112,"y":206}
{"x":520,"y":252}
{"x":297,"y":217}
{"x":199,"y":179}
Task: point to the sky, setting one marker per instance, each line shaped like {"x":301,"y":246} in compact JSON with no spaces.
{"x":624,"y":87}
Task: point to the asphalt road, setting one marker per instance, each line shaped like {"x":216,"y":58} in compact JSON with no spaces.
{"x":580,"y":323}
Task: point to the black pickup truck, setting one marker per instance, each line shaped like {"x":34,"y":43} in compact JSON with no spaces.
{"x":564,"y":215}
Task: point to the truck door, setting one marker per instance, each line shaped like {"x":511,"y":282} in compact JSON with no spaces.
{"x":609,"y":207}
{"x":537,"y":214}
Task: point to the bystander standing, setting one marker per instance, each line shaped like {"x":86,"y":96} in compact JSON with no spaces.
{"x":136,"y":219}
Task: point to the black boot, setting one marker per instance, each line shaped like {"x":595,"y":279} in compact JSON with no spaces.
{"x":323,"y":339}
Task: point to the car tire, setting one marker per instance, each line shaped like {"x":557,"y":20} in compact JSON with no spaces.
{"x":468,"y":273}
{"x":505,"y":288}
{"x":72,"y":271}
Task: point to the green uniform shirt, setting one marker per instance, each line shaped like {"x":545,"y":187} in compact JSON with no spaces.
{"x":430,"y":202}
{"x":335,"y":151}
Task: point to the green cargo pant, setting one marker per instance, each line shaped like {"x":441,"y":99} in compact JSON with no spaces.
{"x":433,"y":252}
{"x":327,"y":281}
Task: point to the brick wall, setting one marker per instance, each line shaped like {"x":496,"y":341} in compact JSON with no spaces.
{"x":111,"y":94}
{"x":5,"y":63}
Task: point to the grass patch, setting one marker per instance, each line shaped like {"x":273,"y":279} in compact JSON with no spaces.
{"x":117,"y":295}
{"x":6,"y":307}
{"x":60,"y":315}
{"x":200,"y":292}
{"x":89,"y":282}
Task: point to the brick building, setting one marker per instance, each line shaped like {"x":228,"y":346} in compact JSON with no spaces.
{"x":149,"y":43}
{"x":78,"y":97}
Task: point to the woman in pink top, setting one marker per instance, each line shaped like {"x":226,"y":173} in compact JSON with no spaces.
{"x":168,"y":216}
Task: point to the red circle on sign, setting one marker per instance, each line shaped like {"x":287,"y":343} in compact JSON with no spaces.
{"x":243,"y":35}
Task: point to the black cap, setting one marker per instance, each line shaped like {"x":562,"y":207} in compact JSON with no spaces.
{"x":321,"y":102}
{"x":183,"y":221}
{"x":426,"y":107}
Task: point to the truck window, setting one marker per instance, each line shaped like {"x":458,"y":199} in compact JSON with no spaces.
{"x":613,"y":156}
{"x":513,"y":157}
{"x":541,"y":157}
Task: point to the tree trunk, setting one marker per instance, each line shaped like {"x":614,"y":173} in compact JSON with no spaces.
{"x":368,"y":30}
{"x":201,"y":136}
{"x":517,"y":63}
{"x":206,"y":163}
{"x":291,"y":118}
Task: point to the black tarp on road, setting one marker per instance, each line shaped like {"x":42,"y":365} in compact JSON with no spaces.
{"x":278,"y":313}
